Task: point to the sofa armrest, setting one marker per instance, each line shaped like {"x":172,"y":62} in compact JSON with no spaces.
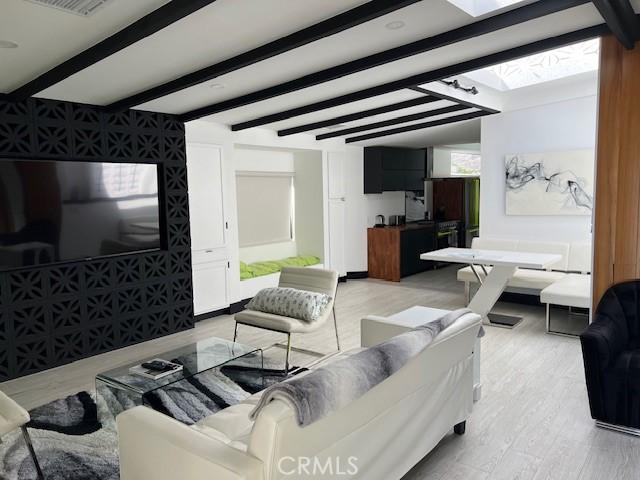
{"x":155,"y":446}
{"x":600,"y":347}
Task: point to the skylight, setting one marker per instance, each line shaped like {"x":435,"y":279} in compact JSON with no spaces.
{"x":476,"y":8}
{"x":543,"y":67}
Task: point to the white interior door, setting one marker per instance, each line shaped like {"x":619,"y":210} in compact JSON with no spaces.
{"x":206,"y":200}
{"x":336,"y":168}
{"x":336,"y":236}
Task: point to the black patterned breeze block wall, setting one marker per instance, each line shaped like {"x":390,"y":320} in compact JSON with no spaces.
{"x":55,"y":314}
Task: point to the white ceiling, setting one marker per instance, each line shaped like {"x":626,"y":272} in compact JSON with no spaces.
{"x":47,"y":37}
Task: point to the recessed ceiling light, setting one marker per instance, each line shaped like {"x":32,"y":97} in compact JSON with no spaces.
{"x":396,"y":25}
{"x":8,"y":44}
{"x":217,"y":86}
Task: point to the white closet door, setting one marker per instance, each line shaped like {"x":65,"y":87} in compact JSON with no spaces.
{"x":336,"y":175}
{"x":210,"y":287}
{"x":337,"y":236}
{"x":206,"y":208}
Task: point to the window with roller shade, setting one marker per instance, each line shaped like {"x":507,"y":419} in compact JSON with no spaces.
{"x":265,"y":207}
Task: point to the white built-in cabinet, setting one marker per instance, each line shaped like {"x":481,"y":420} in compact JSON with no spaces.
{"x":210,"y":252}
{"x":337,"y":213}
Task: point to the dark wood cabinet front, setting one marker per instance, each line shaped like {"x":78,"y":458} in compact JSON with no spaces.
{"x":448,"y":199}
{"x":394,"y":252}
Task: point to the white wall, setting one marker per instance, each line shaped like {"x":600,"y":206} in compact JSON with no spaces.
{"x":566,"y":125}
{"x":251,"y":159}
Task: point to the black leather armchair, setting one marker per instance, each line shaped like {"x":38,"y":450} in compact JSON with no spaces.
{"x":611,"y":353}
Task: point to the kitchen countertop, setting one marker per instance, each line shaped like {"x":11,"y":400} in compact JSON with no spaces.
{"x":408,"y":226}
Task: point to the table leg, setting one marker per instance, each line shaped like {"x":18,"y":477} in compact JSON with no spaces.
{"x":490,"y":291}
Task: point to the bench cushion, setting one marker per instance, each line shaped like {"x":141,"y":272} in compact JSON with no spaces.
{"x":572,"y":291}
{"x":523,"y":278}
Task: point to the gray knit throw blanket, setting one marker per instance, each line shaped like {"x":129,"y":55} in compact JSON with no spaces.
{"x":327,"y":389}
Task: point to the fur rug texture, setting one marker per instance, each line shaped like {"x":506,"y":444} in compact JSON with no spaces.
{"x":75,"y":437}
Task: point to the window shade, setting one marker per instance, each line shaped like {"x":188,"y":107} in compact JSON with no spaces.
{"x":265,"y":208}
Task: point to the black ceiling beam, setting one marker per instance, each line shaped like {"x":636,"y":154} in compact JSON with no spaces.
{"x":148,"y":25}
{"x":443,"y":96}
{"x":419,"y":126}
{"x":359,"y":115}
{"x":517,"y":16}
{"x":393,"y":121}
{"x":630,"y":18}
{"x":343,"y":21}
{"x":430,"y":76}
{"x":615,"y":13}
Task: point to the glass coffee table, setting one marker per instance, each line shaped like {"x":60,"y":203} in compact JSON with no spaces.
{"x":197,"y":358}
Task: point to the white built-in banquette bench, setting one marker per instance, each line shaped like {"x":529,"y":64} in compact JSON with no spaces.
{"x":566,"y":283}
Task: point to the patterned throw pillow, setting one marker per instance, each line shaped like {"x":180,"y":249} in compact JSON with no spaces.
{"x":290,"y":302}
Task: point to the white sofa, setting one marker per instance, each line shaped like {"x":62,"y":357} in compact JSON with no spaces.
{"x":383,"y":433}
{"x":567,"y":283}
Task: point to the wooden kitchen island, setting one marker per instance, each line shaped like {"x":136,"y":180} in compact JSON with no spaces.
{"x":394,"y":252}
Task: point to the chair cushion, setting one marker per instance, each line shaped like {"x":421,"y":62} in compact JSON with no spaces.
{"x":573,"y":290}
{"x":275,"y":322}
{"x":12,"y":415}
{"x":290,"y":302}
{"x":523,"y":278}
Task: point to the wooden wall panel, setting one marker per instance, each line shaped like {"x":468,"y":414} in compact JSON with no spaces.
{"x":617,"y":197}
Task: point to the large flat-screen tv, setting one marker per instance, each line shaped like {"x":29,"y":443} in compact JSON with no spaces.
{"x":58,"y":211}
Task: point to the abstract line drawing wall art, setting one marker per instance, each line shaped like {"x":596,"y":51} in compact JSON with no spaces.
{"x":553,"y":183}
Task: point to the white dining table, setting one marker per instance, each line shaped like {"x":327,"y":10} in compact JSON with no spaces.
{"x":493,"y":281}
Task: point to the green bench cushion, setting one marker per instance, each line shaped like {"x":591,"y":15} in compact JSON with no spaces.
{"x":259,"y":269}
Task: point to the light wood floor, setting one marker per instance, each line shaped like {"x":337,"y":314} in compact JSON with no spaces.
{"x":533,"y":419}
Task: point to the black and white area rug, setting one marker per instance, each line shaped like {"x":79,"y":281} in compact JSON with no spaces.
{"x":72,"y":444}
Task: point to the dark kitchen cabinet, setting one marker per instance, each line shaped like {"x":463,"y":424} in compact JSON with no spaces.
{"x":388,"y":169}
{"x":393,"y":180}
{"x":412,"y":244}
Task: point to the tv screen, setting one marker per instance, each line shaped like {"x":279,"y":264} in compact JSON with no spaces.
{"x":63,"y":210}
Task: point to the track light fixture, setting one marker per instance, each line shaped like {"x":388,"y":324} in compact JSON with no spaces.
{"x":456,"y":84}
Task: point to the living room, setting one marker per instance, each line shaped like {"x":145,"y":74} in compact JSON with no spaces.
{"x":244,"y":262}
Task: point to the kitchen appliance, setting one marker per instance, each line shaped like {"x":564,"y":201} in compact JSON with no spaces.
{"x":447,"y":234}
{"x":471,"y":210}
{"x":395,"y":220}
{"x":379,"y":221}
{"x":455,"y":200}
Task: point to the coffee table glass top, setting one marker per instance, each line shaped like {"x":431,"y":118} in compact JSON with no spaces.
{"x":196,"y":358}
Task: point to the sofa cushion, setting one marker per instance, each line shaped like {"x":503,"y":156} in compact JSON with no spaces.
{"x":523,"y":278}
{"x":574,"y":290}
{"x":290,"y":302}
